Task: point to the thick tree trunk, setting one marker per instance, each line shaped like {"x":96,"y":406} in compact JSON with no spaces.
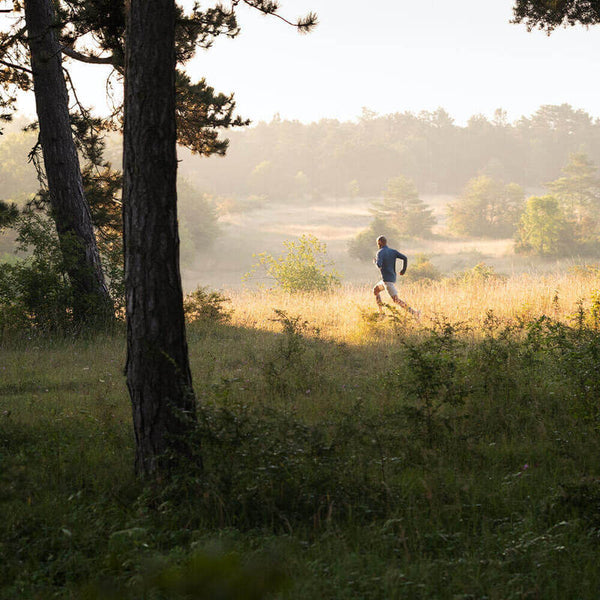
{"x":158,"y":372}
{"x":70,"y":210}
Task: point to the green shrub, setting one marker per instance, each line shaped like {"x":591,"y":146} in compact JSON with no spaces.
{"x":423,"y":269}
{"x":364,"y":247}
{"x":480,"y":272}
{"x":35,"y":291}
{"x":303,"y":267}
{"x":204,"y":305}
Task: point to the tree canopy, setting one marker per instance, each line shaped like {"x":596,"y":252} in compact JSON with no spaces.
{"x":550,"y":14}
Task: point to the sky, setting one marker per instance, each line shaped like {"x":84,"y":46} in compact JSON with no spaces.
{"x":393,"y":56}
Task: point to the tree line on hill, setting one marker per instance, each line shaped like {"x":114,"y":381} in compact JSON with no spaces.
{"x":288,"y":159}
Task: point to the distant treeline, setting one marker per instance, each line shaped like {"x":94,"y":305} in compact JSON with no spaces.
{"x":283,"y":159}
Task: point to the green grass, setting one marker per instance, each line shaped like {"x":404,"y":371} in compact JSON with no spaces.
{"x":443,"y":463}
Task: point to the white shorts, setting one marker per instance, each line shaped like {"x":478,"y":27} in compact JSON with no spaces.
{"x":389,"y":286}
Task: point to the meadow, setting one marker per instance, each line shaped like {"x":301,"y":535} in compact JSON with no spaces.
{"x":346,"y":455}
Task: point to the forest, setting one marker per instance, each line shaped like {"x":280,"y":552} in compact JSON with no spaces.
{"x":286,"y":159}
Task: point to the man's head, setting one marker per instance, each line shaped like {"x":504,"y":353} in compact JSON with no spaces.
{"x":382,"y":241}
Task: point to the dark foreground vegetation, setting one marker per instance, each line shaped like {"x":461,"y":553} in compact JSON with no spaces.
{"x":443,"y":462}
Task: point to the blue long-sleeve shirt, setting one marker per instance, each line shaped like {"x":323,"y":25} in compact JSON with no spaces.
{"x":386,"y":261}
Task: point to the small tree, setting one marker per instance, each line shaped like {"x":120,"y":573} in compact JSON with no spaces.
{"x":303,"y":267}
{"x":403,"y":209}
{"x":578,"y":192}
{"x":486,"y":208}
{"x":543,"y":229}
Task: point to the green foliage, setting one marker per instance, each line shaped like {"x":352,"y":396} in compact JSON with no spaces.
{"x":8,"y":214}
{"x":486,"y":208}
{"x":286,"y":371}
{"x":203,"y":305}
{"x":430,"y":376}
{"x":411,"y":462}
{"x":364,"y":245}
{"x":578,"y":193}
{"x":422,"y":269}
{"x":438,"y":155}
{"x":543,"y":229}
{"x":198,"y":221}
{"x":35,"y":291}
{"x":403,"y":209}
{"x":303,"y":267}
{"x":480,"y":272}
{"x":550,"y":14}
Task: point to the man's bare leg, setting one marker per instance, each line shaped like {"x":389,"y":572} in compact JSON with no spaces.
{"x":405,"y":306}
{"x":377,"y":291}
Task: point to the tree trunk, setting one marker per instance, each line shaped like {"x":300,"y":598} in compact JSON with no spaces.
{"x":158,"y":372}
{"x":70,"y":210}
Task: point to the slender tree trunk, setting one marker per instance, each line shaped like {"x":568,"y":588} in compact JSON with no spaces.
{"x":70,"y":210}
{"x":158,"y":372}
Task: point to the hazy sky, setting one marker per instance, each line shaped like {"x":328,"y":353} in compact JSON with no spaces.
{"x":398,"y":55}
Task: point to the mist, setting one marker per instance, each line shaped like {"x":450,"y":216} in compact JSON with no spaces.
{"x":283,"y":179}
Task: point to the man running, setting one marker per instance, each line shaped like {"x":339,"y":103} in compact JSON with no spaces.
{"x":386,"y":261}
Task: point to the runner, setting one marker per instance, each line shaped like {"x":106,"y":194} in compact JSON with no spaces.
{"x":386,"y":261}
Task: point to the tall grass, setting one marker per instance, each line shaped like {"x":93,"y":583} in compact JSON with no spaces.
{"x":339,"y":315}
{"x":346,"y":455}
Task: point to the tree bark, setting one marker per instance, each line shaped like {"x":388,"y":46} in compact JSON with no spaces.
{"x":69,"y":208}
{"x":158,"y":372}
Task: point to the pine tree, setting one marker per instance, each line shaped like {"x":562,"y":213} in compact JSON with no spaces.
{"x":403,"y":209}
{"x":158,"y":373}
{"x":579,"y":195}
{"x":69,"y":209}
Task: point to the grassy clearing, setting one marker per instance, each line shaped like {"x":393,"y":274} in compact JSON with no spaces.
{"x":346,"y":456}
{"x":341,"y":316}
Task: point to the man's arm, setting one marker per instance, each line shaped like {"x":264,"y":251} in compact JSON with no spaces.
{"x":377,"y":260}
{"x":404,"y":260}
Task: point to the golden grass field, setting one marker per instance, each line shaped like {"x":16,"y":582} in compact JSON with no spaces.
{"x":341,"y":315}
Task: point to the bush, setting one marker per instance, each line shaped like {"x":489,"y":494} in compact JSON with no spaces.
{"x":364,"y":247}
{"x":480,"y":272}
{"x":34,"y":291}
{"x":423,"y":269}
{"x":301,"y":268}
{"x":202,"y":305}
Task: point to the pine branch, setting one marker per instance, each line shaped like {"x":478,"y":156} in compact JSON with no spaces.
{"x":87,"y":58}
{"x":13,"y":66}
{"x":268,"y":7}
